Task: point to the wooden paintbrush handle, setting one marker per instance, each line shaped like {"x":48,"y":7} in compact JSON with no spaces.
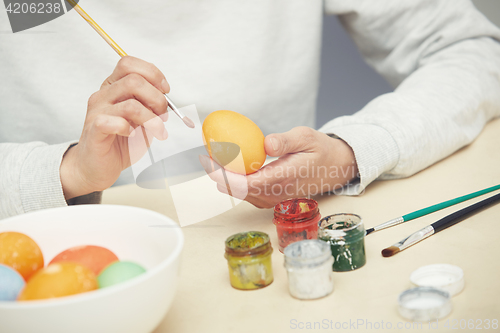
{"x":97,"y":28}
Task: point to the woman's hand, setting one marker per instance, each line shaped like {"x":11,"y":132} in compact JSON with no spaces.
{"x":310,"y":163}
{"x":132,"y":96}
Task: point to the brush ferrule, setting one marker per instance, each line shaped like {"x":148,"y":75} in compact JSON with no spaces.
{"x":390,"y":223}
{"x":174,"y":108}
{"x":415,"y":237}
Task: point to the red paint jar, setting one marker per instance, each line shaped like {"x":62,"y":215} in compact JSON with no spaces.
{"x":295,"y":220}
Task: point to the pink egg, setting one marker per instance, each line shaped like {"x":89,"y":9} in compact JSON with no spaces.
{"x":94,"y":257}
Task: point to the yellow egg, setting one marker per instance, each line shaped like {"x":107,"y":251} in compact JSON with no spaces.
{"x":21,"y":253}
{"x":224,"y":131}
{"x":57,"y":280}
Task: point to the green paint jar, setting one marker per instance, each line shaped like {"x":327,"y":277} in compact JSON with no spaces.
{"x":346,"y":235}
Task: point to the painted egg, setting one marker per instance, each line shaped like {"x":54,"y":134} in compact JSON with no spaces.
{"x":11,"y":283}
{"x":58,"y":280}
{"x":234,"y":141}
{"x":119,"y":272}
{"x":91,"y":256}
{"x":21,"y":253}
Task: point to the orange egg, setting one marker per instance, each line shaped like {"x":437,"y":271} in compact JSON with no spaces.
{"x":21,"y":253}
{"x":90,"y":256}
{"x":58,"y":280}
{"x":224,"y":131}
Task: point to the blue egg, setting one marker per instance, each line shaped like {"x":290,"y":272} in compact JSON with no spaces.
{"x":11,"y":283}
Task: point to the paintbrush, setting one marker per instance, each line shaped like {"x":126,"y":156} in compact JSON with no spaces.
{"x":440,"y":225}
{"x":430,"y":209}
{"x":189,"y":123}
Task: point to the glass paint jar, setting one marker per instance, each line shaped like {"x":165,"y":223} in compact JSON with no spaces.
{"x":309,"y":266}
{"x":295,"y":220}
{"x":346,"y":235}
{"x":248,"y":257}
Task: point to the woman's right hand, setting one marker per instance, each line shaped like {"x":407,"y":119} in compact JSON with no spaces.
{"x":132,"y":96}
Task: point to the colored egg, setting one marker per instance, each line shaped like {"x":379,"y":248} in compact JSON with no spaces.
{"x":21,"y":253}
{"x":118,"y":272}
{"x":11,"y":283}
{"x":224,"y":131}
{"x":58,"y":280}
{"x":91,"y":256}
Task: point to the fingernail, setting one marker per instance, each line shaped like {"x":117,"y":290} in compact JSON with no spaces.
{"x":165,"y":86}
{"x":274,"y":144}
{"x":165,"y":133}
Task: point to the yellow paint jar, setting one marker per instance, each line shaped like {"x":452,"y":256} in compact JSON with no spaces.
{"x":248,"y":257}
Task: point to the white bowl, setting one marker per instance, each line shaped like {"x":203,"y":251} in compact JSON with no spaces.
{"x":138,"y":305}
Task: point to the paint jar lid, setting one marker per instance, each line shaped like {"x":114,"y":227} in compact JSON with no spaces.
{"x":343,"y":227}
{"x":307,"y":253}
{"x":424,"y":304}
{"x":291,"y":211}
{"x":442,"y":276}
{"x":250,"y":243}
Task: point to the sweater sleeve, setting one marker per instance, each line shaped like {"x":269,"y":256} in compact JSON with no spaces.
{"x":443,"y":58}
{"x":30,"y":179}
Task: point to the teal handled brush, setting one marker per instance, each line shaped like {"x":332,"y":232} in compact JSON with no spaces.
{"x":430,"y":209}
{"x":440,"y":225}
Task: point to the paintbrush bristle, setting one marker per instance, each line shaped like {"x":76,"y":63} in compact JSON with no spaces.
{"x":369,"y":231}
{"x":390,"y":251}
{"x":189,"y":123}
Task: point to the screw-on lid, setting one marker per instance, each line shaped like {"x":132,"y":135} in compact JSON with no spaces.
{"x":442,"y":276}
{"x":306,"y":253}
{"x":250,"y":243}
{"x":424,"y":304}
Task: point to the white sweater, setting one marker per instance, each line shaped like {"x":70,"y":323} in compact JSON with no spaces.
{"x":259,"y":58}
